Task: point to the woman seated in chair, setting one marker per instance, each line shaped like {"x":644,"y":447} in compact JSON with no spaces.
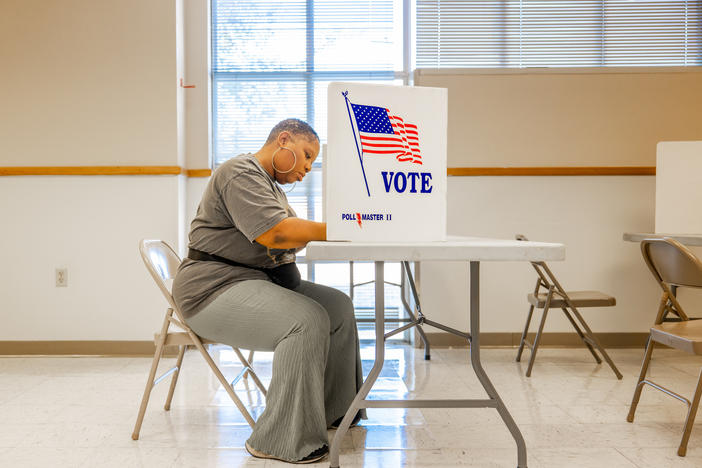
{"x":240,"y":286}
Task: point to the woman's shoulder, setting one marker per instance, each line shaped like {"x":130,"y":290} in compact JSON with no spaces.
{"x":237,"y":165}
{"x":241,"y":165}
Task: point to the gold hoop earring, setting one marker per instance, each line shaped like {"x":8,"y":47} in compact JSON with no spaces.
{"x":273,"y":160}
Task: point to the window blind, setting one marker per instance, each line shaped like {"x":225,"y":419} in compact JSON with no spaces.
{"x":580,"y":33}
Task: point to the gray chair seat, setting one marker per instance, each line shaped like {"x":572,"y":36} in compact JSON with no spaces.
{"x":577,"y":298}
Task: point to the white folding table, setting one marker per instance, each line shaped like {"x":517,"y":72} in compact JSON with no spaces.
{"x":470,"y":249}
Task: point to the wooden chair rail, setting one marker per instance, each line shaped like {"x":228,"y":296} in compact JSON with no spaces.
{"x":451,"y":171}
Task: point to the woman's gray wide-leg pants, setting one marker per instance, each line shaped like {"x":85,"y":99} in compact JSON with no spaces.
{"x":316,"y":364}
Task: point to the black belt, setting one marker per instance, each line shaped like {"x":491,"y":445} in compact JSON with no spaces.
{"x":195,"y":254}
{"x":286,"y":275}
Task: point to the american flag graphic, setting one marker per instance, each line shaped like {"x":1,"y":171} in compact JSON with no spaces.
{"x":383,"y":133}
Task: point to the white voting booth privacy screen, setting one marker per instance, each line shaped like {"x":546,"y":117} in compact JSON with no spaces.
{"x":679,"y":187}
{"x":385,"y":165}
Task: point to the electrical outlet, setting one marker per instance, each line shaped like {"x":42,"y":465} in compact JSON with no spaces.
{"x":61,"y":277}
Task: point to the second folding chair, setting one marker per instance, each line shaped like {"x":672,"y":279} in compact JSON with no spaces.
{"x":554,"y":296}
{"x":673,"y":265}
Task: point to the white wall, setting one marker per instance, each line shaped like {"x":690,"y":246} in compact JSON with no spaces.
{"x":92,"y":226}
{"x":587,"y":214}
{"x":678,"y":182}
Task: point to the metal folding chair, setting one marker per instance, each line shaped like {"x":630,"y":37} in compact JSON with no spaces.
{"x":555,"y":296}
{"x":673,"y":266}
{"x":162,"y":262}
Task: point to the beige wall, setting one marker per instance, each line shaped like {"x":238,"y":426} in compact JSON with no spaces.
{"x":586,"y":117}
{"x":87,"y":82}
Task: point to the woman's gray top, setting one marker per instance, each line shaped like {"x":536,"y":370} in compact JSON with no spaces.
{"x":241,"y":202}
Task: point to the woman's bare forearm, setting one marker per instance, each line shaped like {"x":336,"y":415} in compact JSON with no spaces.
{"x":292,"y":233}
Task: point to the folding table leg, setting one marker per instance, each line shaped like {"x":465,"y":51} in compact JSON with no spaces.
{"x":374,"y":372}
{"x":478,"y":367}
{"x":413,"y":288}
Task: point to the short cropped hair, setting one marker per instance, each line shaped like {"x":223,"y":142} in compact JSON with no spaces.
{"x":294,"y":127}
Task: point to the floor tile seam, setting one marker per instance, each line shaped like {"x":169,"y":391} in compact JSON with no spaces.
{"x":16,"y":397}
{"x":590,"y":426}
{"x":664,"y":373}
{"x":128,"y":425}
{"x":543,"y":460}
{"x":629,"y":459}
{"x":565,"y":409}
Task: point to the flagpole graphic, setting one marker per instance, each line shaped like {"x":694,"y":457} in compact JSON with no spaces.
{"x":358,"y":150}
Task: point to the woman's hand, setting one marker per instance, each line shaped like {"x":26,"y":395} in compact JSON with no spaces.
{"x":293,"y":233}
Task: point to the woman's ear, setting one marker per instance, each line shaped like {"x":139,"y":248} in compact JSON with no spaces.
{"x":284,"y":138}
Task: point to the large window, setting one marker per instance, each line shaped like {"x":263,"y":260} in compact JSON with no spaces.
{"x":545,"y":33}
{"x":274,"y":59}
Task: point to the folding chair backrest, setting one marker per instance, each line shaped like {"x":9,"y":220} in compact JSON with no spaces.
{"x":162,"y":262}
{"x":672,"y":263}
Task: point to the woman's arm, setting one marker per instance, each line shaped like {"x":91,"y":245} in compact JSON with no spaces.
{"x":293,"y":233}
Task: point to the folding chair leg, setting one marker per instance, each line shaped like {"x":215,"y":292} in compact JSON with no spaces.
{"x":249,"y":360}
{"x":581,"y":335}
{"x":524,"y":334}
{"x":537,"y":339}
{"x":247,"y":364}
{"x":690,"y":420}
{"x":174,"y":379}
{"x":152,"y":375}
{"x":642,"y":376}
{"x":222,"y":380}
{"x":597,"y":343}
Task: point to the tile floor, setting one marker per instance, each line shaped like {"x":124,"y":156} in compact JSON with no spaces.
{"x":79,"y":412}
